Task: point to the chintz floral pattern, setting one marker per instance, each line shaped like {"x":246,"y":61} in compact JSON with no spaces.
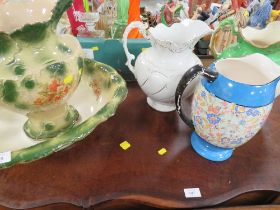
{"x":225,"y":124}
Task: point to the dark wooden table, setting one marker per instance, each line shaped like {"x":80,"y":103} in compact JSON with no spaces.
{"x":97,"y":173}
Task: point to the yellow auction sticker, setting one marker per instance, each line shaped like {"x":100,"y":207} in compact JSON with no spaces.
{"x":125,"y":145}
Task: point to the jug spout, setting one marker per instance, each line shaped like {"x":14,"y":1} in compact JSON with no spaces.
{"x":254,"y":69}
{"x":197,"y":30}
{"x":250,"y":81}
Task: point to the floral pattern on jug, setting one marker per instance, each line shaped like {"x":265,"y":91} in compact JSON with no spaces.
{"x":225,"y":124}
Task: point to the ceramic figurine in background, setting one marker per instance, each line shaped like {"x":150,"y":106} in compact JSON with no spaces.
{"x":237,"y":4}
{"x":172,"y":12}
{"x":224,"y":36}
{"x":235,"y":9}
{"x":149,"y":18}
{"x":226,"y":10}
{"x":90,"y":19}
{"x":231,"y":103}
{"x":158,"y":69}
{"x":107,"y":12}
{"x":134,"y":15}
{"x":250,"y":40}
{"x":253,"y":6}
{"x":73,"y":13}
{"x":241,"y":18}
{"x":166,"y":16}
{"x":260,"y":18}
{"x":121,"y":20}
{"x":200,"y":13}
{"x":274,"y":15}
{"x":184,"y":12}
{"x":226,"y":32}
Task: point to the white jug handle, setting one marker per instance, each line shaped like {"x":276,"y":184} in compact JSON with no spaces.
{"x":130,"y":57}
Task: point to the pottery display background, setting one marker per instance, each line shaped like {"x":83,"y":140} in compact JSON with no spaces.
{"x":247,"y":41}
{"x":152,"y":5}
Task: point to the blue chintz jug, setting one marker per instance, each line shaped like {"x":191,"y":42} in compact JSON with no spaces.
{"x":230,"y":104}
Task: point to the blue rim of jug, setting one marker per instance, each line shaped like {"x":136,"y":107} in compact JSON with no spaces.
{"x":239,"y":93}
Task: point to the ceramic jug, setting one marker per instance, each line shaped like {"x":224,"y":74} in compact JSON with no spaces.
{"x":158,"y":69}
{"x":246,"y":41}
{"x":230,"y":104}
{"x":39,"y":69}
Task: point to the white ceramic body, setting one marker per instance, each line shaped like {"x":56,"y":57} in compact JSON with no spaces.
{"x":158,"y":72}
{"x":159,"y":69}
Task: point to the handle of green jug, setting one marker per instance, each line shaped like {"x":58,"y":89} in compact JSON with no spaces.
{"x":187,"y":78}
{"x":57,"y":12}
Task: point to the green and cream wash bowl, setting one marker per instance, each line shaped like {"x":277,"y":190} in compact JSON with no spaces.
{"x":39,"y":69}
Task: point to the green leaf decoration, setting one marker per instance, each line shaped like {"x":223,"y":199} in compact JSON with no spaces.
{"x":19,"y":70}
{"x":28,"y":83}
{"x":31,"y":33}
{"x":80,"y":62}
{"x":60,"y":8}
{"x":6,"y":43}
{"x":10,"y":93}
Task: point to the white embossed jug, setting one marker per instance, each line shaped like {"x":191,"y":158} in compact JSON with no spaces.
{"x":159,"y":69}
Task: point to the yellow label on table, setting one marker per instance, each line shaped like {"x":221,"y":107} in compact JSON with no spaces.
{"x":162,"y":151}
{"x":125,"y":145}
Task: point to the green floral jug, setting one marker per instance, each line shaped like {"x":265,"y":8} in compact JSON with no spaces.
{"x":39,"y":69}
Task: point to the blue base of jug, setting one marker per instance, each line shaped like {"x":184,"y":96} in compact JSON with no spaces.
{"x":209,"y":151}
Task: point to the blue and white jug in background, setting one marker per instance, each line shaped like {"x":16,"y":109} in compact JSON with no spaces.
{"x":231,"y":103}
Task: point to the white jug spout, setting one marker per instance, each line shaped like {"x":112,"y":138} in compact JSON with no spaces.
{"x":198,"y":29}
{"x":254,"y":69}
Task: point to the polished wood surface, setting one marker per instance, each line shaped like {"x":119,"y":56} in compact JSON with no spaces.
{"x":96,"y":172}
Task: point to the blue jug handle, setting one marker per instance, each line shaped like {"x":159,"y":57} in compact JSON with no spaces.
{"x":190,"y":75}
